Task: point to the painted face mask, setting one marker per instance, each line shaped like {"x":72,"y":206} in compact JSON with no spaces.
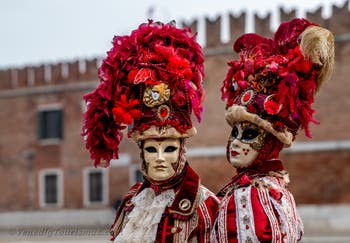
{"x":161,"y":157}
{"x":245,"y":141}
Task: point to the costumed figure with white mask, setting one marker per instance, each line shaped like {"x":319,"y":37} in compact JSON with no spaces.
{"x":269,"y":92}
{"x":151,"y":82}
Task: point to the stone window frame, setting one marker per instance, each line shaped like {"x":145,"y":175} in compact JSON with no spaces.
{"x":48,"y":108}
{"x":42,"y":174}
{"x":105,"y":186}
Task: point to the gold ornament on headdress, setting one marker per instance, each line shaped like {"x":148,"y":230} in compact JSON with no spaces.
{"x":156,"y":94}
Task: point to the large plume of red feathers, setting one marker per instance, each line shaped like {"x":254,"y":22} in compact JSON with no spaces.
{"x":275,"y":67}
{"x":152,"y":53}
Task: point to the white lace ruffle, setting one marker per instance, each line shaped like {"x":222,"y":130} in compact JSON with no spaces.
{"x":143,"y":220}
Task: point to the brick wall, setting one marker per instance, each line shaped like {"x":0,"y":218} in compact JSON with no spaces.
{"x":315,"y":177}
{"x":23,"y":90}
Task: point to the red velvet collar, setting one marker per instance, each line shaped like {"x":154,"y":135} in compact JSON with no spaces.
{"x":187,"y":193}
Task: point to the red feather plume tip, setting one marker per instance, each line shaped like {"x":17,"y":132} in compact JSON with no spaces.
{"x":152,"y":54}
{"x":287,"y":68}
{"x":101,"y":132}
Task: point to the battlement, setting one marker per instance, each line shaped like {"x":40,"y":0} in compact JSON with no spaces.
{"x":86,"y":70}
{"x":45,"y":74}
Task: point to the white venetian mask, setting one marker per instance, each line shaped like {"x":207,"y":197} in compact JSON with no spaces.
{"x":245,"y":141}
{"x":161,"y":157}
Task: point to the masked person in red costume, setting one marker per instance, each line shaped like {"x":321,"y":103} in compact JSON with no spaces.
{"x":269,"y":92}
{"x":151,"y":81}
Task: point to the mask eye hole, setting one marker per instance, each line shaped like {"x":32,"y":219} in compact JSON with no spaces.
{"x":151,"y":149}
{"x":234,"y":132}
{"x":250,"y":133}
{"x":170,"y":149}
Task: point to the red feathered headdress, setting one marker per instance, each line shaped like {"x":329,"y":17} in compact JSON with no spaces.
{"x":150,"y":81}
{"x":274,"y":81}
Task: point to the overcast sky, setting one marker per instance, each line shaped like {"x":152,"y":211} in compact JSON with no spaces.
{"x":39,"y":31}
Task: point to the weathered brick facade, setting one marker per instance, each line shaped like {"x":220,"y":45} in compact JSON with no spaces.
{"x":316,"y":177}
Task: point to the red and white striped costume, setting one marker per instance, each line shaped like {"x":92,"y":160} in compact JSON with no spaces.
{"x":257,"y":207}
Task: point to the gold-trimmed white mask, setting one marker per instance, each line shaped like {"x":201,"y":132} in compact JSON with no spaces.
{"x":244,"y":144}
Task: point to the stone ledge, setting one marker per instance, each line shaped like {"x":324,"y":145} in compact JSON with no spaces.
{"x":319,"y":220}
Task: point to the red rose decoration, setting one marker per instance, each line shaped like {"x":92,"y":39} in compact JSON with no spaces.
{"x":275,"y":194}
{"x":243,"y":181}
{"x":272,"y":107}
{"x":124,"y":112}
{"x":180,"y":66}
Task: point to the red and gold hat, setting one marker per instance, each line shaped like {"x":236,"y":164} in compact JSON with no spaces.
{"x":274,"y":81}
{"x":150,"y":82}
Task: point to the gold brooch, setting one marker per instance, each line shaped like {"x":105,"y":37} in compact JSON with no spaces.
{"x":156,"y":94}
